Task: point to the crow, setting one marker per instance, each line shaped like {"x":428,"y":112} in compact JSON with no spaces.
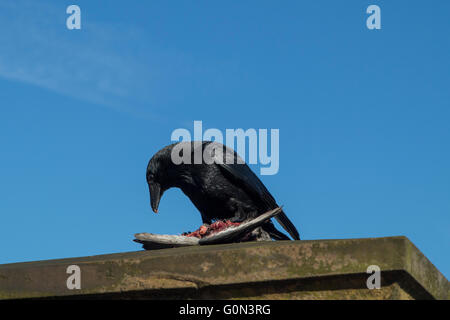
{"x":217,"y":181}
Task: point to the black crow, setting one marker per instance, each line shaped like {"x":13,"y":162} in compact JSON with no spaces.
{"x":217,"y":181}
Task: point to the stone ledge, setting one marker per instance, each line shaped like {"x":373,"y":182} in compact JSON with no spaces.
{"x":316,"y":269}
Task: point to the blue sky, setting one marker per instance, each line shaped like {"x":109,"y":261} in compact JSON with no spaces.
{"x":363,"y":116}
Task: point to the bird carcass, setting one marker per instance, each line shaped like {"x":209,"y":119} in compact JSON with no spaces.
{"x":215,"y":233}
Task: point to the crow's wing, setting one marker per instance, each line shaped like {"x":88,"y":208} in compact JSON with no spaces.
{"x":237,"y":170}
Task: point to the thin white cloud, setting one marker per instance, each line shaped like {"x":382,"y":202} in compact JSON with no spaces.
{"x":114,"y":65}
{"x":93,"y":64}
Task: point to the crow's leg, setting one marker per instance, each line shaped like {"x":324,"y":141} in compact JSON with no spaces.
{"x":242,"y":211}
{"x":239,"y":215}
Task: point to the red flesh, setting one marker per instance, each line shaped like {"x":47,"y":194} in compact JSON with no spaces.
{"x":206,"y":230}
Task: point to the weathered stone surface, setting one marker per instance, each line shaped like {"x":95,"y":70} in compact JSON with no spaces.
{"x":318,"y":269}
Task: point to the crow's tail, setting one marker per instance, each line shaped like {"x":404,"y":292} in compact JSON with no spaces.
{"x":284,"y":221}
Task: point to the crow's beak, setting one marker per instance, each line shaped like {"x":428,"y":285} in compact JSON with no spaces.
{"x":155,"y":195}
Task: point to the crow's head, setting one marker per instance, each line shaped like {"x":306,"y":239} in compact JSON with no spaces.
{"x":160,"y":176}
